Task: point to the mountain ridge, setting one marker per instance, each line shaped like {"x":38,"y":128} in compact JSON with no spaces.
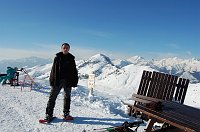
{"x":23,"y":62}
{"x":104,"y":67}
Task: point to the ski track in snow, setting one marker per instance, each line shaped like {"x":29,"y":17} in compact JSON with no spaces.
{"x":20,"y":111}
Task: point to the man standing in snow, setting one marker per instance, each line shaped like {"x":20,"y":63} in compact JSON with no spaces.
{"x":63,"y":75}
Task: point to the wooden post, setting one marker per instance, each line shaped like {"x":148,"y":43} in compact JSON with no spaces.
{"x":91,"y":83}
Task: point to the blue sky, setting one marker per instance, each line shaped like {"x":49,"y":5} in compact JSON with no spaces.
{"x":118,"y":28}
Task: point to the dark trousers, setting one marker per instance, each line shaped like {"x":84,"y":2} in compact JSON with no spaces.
{"x":53,"y":95}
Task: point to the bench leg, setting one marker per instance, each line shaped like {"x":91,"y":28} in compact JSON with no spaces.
{"x":150,"y":124}
{"x":129,"y":110}
{"x":132,"y":112}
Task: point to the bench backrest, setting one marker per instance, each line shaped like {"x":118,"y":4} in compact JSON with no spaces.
{"x":163,"y":86}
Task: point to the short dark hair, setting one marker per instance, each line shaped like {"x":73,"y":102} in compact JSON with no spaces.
{"x":67,"y":44}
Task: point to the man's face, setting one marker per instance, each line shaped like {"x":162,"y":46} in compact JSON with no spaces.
{"x":65,"y":49}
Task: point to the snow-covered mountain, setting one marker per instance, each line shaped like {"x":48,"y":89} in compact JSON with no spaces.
{"x":105,"y":68}
{"x":126,"y":74}
{"x":186,"y":68}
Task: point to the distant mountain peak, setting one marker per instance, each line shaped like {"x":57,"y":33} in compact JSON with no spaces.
{"x":100,"y":58}
{"x":135,"y":58}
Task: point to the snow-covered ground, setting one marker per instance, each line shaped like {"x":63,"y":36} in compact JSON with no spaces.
{"x":115,"y":81}
{"x":20,"y":111}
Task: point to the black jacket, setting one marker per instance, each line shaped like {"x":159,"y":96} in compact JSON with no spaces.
{"x":72,"y":73}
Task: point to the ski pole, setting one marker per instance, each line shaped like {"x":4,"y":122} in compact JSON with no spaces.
{"x":109,"y":129}
{"x":125,"y":125}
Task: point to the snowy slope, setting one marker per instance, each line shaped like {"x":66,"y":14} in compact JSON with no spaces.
{"x":20,"y":111}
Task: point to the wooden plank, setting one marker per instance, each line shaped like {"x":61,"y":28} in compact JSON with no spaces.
{"x":162,"y":117}
{"x":146,"y":98}
{"x":167,"y":87}
{"x":161,"y":86}
{"x":182,"y":117}
{"x":181,"y":90}
{"x":152,"y":85}
{"x":156,"y":87}
{"x":144,"y":83}
{"x":138,"y":100}
{"x":178,"y":112}
{"x":183,"y":113}
{"x":187,"y":111}
{"x":170,"y":87}
{"x":185,"y":90}
{"x":173,"y":109}
{"x":178,"y":90}
{"x":156,"y":100}
{"x":142,"y":100}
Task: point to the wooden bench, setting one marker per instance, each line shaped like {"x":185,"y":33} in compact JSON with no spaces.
{"x":160,"y":86}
